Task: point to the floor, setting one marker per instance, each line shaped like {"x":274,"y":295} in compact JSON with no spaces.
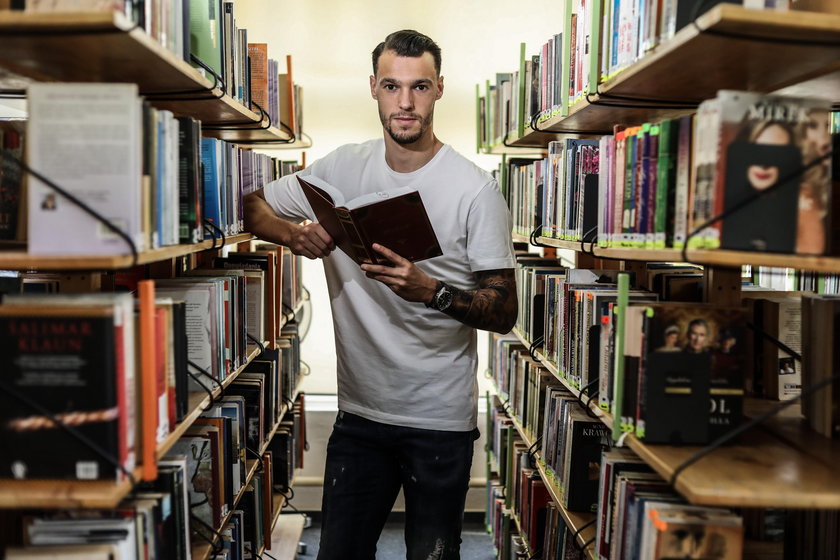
{"x":476,"y":543}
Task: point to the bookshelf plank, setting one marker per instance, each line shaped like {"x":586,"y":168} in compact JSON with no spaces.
{"x":20,"y":260}
{"x":798,"y":57}
{"x":714,"y":257}
{"x":784,"y":465}
{"x":52,"y":494}
{"x":286,"y":535}
{"x":759,"y":471}
{"x":106,"y":47}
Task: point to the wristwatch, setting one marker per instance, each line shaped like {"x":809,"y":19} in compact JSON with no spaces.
{"x":442,"y":298}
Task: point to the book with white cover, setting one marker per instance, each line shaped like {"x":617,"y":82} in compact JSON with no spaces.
{"x":86,"y":138}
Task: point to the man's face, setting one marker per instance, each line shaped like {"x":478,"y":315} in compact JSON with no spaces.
{"x":406,"y":89}
{"x":697,"y":338}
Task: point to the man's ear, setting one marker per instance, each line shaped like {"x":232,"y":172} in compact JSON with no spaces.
{"x":440,"y":88}
{"x":373,"y":86}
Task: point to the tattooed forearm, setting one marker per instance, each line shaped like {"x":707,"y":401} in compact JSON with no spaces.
{"x":492,"y":307}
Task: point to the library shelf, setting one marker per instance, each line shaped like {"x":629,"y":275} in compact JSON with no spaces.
{"x":61,"y":494}
{"x":763,"y":468}
{"x":21,"y":260}
{"x":574,"y":520}
{"x":70,"y":494}
{"x":710,"y":257}
{"x":197,"y":401}
{"x":791,"y":52}
{"x":286,"y":532}
{"x":534,"y":143}
{"x":201,"y":549}
{"x":106,"y":46}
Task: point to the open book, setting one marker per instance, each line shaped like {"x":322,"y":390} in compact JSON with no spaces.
{"x":395,"y":219}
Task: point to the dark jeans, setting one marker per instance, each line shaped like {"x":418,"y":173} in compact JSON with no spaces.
{"x":368,"y":462}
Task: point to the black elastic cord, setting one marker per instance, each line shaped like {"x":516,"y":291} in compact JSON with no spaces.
{"x":207,"y":390}
{"x":255,"y":341}
{"x":532,"y":450}
{"x":778,"y":343}
{"x":748,"y":425}
{"x":534,"y":235}
{"x":579,"y":529}
{"x":664,"y":103}
{"x":82,"y":438}
{"x":533,"y":347}
{"x":13,"y":93}
{"x":591,"y":251}
{"x":212,"y":542}
{"x":219,"y":82}
{"x":210,"y":227}
{"x":640,"y":105}
{"x":162,"y":96}
{"x":750,"y":199}
{"x":72,"y":198}
{"x":586,"y":390}
{"x":292,"y":314}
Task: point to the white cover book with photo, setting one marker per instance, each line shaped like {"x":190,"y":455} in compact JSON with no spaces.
{"x":86,"y":138}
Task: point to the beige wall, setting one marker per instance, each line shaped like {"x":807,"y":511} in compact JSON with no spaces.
{"x":330,"y":42}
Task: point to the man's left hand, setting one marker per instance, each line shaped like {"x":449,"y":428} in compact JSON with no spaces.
{"x":403,"y":278}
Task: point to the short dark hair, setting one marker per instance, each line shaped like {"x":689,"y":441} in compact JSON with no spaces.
{"x":407,"y":43}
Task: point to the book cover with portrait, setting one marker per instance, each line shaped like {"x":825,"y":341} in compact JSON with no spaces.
{"x":692,"y":386}
{"x":773,"y":174}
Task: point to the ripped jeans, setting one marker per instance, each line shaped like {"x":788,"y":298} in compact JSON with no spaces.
{"x":368,"y":462}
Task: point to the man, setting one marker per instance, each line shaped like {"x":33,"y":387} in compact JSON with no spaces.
{"x":698,"y":334}
{"x":405,"y":338}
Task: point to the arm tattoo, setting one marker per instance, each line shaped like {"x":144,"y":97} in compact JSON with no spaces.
{"x":491,"y":307}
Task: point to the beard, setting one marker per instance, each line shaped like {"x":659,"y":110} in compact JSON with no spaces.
{"x":405,"y":137}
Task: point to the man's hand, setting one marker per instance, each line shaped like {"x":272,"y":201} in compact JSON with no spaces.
{"x":311,"y":241}
{"x":403,"y":278}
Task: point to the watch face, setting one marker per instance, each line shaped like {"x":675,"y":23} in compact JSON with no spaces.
{"x":444,"y":298}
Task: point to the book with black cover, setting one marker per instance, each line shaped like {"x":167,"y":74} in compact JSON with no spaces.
{"x":61,"y":363}
{"x":396,"y":219}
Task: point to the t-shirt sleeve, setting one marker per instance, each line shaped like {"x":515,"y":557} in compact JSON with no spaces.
{"x":285,"y":195}
{"x":489,"y":242}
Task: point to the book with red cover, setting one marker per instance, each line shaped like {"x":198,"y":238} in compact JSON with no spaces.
{"x":396,"y":219}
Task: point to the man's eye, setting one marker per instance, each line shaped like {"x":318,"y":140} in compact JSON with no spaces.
{"x":422,"y":87}
{"x":390,"y":87}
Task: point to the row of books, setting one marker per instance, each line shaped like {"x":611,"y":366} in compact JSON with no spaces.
{"x":201,"y":494}
{"x":208,"y":32}
{"x":697,"y":180}
{"x":571,"y":314}
{"x":172,"y":180}
{"x":636,"y":513}
{"x":75,"y":356}
{"x":599,"y":39}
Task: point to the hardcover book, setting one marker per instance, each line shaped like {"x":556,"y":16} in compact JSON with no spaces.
{"x":63,"y":364}
{"x":396,"y":219}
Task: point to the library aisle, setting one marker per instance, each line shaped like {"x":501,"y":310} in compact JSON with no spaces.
{"x":476,"y":543}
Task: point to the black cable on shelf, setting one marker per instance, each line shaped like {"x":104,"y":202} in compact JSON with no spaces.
{"x":10,"y":159}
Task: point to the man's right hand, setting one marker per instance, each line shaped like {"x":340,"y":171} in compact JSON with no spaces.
{"x":311,"y":241}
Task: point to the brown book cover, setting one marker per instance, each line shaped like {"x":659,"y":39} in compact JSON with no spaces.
{"x":258,"y":54}
{"x":396,"y":219}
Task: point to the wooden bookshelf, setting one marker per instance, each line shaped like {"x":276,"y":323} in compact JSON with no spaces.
{"x":285,"y":536}
{"x":574,"y":520}
{"x":21,"y":260}
{"x":799,"y":56}
{"x":67,"y":494}
{"x":710,"y":257}
{"x":782,"y":464}
{"x":63,"y":494}
{"x":107,"y":47}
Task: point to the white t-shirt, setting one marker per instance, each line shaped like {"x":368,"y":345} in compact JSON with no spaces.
{"x":399,"y":362}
